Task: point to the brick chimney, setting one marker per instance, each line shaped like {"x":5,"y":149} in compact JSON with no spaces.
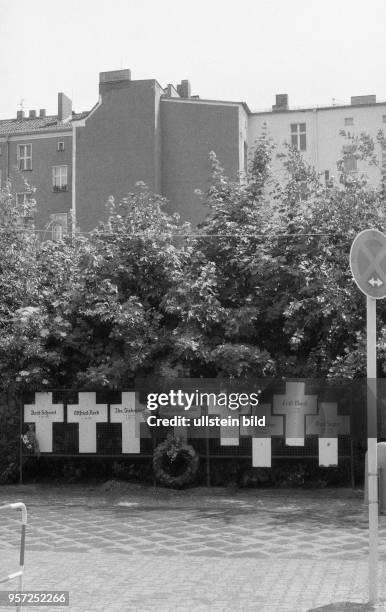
{"x":42,"y":112}
{"x":113,"y":79}
{"x":171,"y":91}
{"x":64,"y":107}
{"x":358,"y":100}
{"x":281,"y":103}
{"x":32,"y":114}
{"x":20,"y":115}
{"x":184,"y":89}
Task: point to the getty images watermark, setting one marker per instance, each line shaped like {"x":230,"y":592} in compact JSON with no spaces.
{"x":212,"y":401}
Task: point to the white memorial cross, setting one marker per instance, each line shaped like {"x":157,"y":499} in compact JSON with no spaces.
{"x":261,"y":445}
{"x":295,"y":405}
{"x":327,"y":425}
{"x":43,"y":413}
{"x":229,"y":434}
{"x":181,"y":431}
{"x":87,"y":413}
{"x":130,"y":414}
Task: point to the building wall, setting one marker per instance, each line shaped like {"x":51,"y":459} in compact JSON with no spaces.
{"x":118,"y":146}
{"x":323,"y":127}
{"x":243,"y":140}
{"x":190,"y":130}
{"x":330,"y":121}
{"x":137,"y":133}
{"x":44,"y":156}
{"x":278,"y":127}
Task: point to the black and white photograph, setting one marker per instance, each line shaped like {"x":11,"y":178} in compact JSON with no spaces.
{"x":193,"y":306}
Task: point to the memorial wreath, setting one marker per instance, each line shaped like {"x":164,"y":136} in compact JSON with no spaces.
{"x":175,"y":463}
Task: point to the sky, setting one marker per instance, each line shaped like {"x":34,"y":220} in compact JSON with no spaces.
{"x":244,"y":50}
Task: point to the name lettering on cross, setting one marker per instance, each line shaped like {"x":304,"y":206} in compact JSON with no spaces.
{"x":328,"y":425}
{"x":43,"y":413}
{"x":87,"y":413}
{"x":261,"y":436}
{"x":295,"y":405}
{"x":130,"y":413}
{"x":328,"y":422}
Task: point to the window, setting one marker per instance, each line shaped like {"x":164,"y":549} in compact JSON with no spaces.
{"x":25,"y":157}
{"x":23,"y":198}
{"x":245,"y":157}
{"x":60,"y":146}
{"x":298,"y":136}
{"x":349,"y":120}
{"x":350,"y":162}
{"x":59,"y":226}
{"x":326,"y":175}
{"x":59,"y":178}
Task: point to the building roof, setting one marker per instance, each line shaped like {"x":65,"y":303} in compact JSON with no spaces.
{"x":38,"y":124}
{"x":303,"y":109}
{"x":198,"y":100}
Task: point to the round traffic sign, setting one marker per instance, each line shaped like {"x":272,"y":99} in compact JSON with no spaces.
{"x":368,"y":262}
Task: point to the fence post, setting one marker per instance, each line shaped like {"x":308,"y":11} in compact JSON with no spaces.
{"x":19,"y":574}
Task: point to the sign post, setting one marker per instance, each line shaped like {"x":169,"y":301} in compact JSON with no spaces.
{"x":368,"y":267}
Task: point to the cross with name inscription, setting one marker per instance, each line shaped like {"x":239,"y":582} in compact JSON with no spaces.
{"x":295,"y":405}
{"x":43,"y":413}
{"x":130,"y":413}
{"x":261,"y":436}
{"x":87,"y":413}
{"x":328,"y":425}
{"x":229,"y":434}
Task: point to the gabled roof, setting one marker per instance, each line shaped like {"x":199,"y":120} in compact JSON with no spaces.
{"x":38,"y":124}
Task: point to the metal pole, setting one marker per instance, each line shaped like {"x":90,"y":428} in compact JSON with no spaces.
{"x":19,"y":574}
{"x":21,"y":415}
{"x":352,"y":473}
{"x":372,"y":460}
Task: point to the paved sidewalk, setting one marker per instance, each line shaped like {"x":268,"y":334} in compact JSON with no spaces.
{"x":140,"y":549}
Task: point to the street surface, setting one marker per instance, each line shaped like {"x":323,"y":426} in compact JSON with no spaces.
{"x":122,"y":547}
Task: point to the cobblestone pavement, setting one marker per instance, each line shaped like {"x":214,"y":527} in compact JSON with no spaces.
{"x":142,"y":549}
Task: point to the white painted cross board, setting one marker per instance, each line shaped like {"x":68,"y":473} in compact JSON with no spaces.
{"x":43,"y":413}
{"x":129,"y":414}
{"x":87,"y":413}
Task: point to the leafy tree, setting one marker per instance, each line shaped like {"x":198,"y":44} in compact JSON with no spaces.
{"x":20,"y":315}
{"x":324,"y":317}
{"x":19,"y":320}
{"x":218,"y":301}
{"x":106,"y":301}
{"x":267,"y":287}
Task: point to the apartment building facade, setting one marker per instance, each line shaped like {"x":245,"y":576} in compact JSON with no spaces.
{"x":322,"y":133}
{"x":36,"y":154}
{"x":141,"y":131}
{"x":137,"y":131}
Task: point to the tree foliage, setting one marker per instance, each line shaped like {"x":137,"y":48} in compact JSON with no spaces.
{"x":261,"y":288}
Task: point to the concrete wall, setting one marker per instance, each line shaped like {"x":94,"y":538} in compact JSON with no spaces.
{"x":190,"y":130}
{"x":44,"y":156}
{"x":119,"y":145}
